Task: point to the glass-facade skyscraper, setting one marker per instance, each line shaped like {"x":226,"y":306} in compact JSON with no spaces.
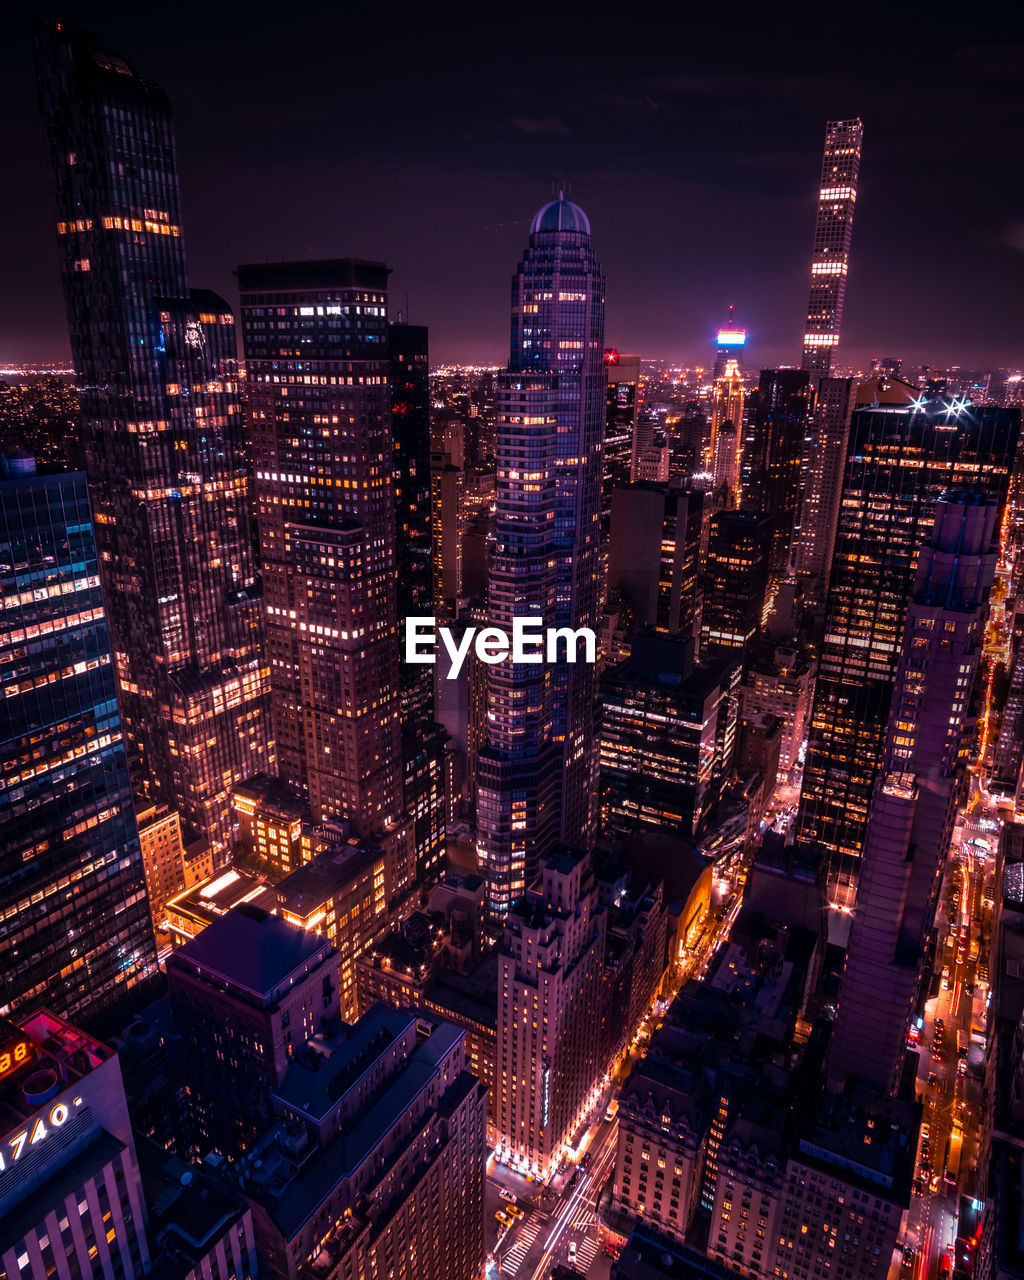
{"x":900,"y":459}
{"x":833,"y":232}
{"x":316,"y":347}
{"x":74,"y":918}
{"x":161,"y":419}
{"x":538,"y":769}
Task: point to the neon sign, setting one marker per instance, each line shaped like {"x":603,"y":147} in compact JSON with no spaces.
{"x":14,"y":1054}
{"x":38,"y":1129}
{"x":732,"y":337}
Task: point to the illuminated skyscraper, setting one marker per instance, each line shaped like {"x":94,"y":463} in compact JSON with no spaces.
{"x":726,"y":426}
{"x":538,"y":770}
{"x":914,"y":804}
{"x":316,"y":348}
{"x":833,"y":229}
{"x":161,"y":419}
{"x":623,"y":401}
{"x":735,"y":583}
{"x":730,"y":343}
{"x":823,"y":488}
{"x":774,"y":435}
{"x":901,"y":458}
{"x":410,"y":428}
{"x":74,"y":916}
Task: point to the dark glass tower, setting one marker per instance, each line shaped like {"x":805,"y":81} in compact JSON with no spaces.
{"x":161,"y":421}
{"x":316,"y":349}
{"x":735,"y":583}
{"x":774,"y":434}
{"x":900,"y":459}
{"x":538,"y":769}
{"x":914,"y":806}
{"x":74,"y":917}
{"x":410,"y":426}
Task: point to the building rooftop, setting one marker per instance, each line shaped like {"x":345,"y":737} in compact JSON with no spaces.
{"x":254,"y":951}
{"x":199,"y":906}
{"x":307,"y":888}
{"x":560,"y":215}
{"x":51,"y":1052}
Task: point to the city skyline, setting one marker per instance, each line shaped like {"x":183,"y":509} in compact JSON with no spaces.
{"x":725,"y":162}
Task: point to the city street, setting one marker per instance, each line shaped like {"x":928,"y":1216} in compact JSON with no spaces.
{"x":945,"y":1085}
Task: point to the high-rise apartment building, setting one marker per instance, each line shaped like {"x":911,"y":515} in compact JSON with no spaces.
{"x":726,"y":426}
{"x":316,"y":345}
{"x":668,"y":736}
{"x":538,"y":770}
{"x":246,"y":993}
{"x":549,"y":1039}
{"x":621,"y":408}
{"x":653,"y":552}
{"x":771,"y":456}
{"x":159,"y":393}
{"x":410,"y":429}
{"x":830,"y":257}
{"x":900,"y":459}
{"x":914,"y":804}
{"x":74,"y":916}
{"x":735,"y":582}
{"x":823,"y":484}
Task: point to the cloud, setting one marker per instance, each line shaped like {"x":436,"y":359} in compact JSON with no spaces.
{"x":529,"y":124}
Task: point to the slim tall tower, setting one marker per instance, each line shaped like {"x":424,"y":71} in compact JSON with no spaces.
{"x":900,"y":459}
{"x":538,"y":770}
{"x":833,"y":229}
{"x":914,"y":805}
{"x":161,"y":419}
{"x":74,"y":917}
{"x":316,"y":347}
{"x":726,"y":425}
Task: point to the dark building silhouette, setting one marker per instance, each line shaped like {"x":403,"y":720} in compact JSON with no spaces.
{"x":735,"y":583}
{"x":160,"y":401}
{"x":901,"y":458}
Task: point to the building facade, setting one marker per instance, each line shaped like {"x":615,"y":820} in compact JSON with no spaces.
{"x":914,"y":804}
{"x":736,"y":575}
{"x":550,"y":1066}
{"x":537,"y":773}
{"x":830,"y":256}
{"x":316,"y":346}
{"x":901,"y":458}
{"x":74,"y":915}
{"x":160,"y":402}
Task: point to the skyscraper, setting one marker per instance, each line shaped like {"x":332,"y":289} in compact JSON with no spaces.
{"x":622,"y":404}
{"x":74,"y":916}
{"x":730,"y":343}
{"x":823,"y":486}
{"x":161,"y":420}
{"x":833,"y":229}
{"x":410,"y":429}
{"x":726,"y":425}
{"x":914,"y":804}
{"x":316,"y":347}
{"x":538,"y":770}
{"x":735,"y":583}
{"x":774,"y":435}
{"x":549,"y":992}
{"x":900,"y":458}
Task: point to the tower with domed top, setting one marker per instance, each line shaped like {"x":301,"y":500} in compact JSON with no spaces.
{"x":538,"y":770}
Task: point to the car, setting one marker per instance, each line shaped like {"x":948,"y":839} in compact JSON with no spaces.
{"x":919,"y":1186}
{"x":934,"y":1184}
{"x":933,"y":1078}
{"x":515,"y":1211}
{"x":926,"y":1131}
{"x":502,"y":1217}
{"x":612,"y":1251}
{"x":961,"y":1067}
{"x":909,"y":1254}
{"x":507,"y":1195}
{"x":572,"y":1252}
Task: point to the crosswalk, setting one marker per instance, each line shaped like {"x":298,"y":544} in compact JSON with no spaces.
{"x":525,"y":1237}
{"x":586,"y":1252}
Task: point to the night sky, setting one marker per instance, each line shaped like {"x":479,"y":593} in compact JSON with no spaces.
{"x":691,"y":135}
